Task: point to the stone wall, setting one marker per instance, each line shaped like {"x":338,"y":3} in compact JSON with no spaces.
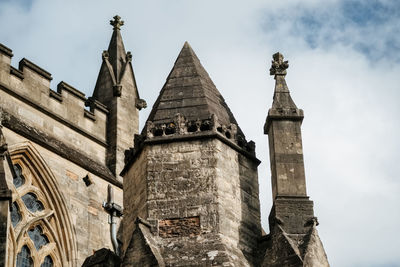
{"x":238,"y":201}
{"x":135,"y":196}
{"x":84,"y":203}
{"x":26,"y":94}
{"x":202,"y":201}
{"x":71,"y":140}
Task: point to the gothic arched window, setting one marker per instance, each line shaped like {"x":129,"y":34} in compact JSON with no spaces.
{"x":30,"y":220}
{"x":40,"y":231}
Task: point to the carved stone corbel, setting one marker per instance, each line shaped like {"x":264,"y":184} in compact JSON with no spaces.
{"x":141,"y":103}
{"x":117,"y":90}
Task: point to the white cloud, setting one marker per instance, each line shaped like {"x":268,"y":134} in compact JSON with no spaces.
{"x":350,"y":99}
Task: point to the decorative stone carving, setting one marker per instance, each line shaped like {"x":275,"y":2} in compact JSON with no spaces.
{"x":128,"y":56}
{"x":149,"y":129}
{"x":117,"y":90}
{"x":117,"y":22}
{"x":312,"y":221}
{"x":278,"y":66}
{"x":105,"y":55}
{"x":141,"y":103}
{"x":180,"y":122}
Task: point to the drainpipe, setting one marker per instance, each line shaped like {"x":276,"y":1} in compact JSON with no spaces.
{"x":114,"y":210}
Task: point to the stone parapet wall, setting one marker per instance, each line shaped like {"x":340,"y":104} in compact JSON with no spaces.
{"x":25,"y":93}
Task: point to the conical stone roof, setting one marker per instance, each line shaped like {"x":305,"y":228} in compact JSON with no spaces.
{"x":190,"y":106}
{"x":190,"y":92}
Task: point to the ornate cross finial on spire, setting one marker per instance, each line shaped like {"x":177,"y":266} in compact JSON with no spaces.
{"x":278,"y":66}
{"x":117,"y":22}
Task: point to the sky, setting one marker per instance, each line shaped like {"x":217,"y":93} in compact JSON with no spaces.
{"x":344,"y":72}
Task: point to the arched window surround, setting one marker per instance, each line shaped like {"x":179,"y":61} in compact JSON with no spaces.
{"x":54,"y":220}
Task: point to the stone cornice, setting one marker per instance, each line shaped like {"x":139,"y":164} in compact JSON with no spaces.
{"x":180,"y":130}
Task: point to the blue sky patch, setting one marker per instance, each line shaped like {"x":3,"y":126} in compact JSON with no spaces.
{"x":369,"y":27}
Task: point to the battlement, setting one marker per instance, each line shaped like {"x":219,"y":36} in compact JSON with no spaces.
{"x":60,"y":112}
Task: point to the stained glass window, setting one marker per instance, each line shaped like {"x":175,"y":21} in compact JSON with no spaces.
{"x":24,"y":258}
{"x":37,"y":237}
{"x":32,"y":203}
{"x":19,"y":179}
{"x":48,"y":262}
{"x":15,"y":214}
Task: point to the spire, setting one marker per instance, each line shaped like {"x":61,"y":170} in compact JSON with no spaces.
{"x":116,"y":63}
{"x":190,"y":92}
{"x":283,"y":106}
{"x":116,"y":50}
{"x":116,"y":88}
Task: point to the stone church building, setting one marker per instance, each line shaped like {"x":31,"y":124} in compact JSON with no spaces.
{"x":81,"y":185}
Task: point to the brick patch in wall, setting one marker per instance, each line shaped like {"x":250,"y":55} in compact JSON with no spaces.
{"x":188,"y":226}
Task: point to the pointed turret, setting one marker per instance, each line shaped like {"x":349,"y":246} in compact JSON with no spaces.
{"x":294,"y":239}
{"x":192,"y":177}
{"x":190,"y":92}
{"x":116,"y":88}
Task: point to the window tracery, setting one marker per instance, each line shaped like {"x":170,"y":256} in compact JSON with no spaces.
{"x":24,"y":258}
{"x":32,"y":221}
{"x":15,"y":214}
{"x":41,"y":232}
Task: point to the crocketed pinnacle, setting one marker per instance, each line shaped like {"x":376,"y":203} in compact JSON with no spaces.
{"x":190,"y":91}
{"x":116,"y":50}
{"x":115,"y":63}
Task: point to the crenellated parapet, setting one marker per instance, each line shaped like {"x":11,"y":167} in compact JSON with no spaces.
{"x":65,"y":113}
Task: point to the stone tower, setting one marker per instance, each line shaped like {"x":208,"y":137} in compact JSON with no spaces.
{"x":293,"y":240}
{"x":116,"y":89}
{"x":190,"y":183}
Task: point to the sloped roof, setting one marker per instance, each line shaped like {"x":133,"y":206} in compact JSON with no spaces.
{"x":190,"y":91}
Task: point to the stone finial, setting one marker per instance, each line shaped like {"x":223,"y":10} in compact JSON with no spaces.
{"x":117,"y":22}
{"x":128,"y":56}
{"x":105,"y":54}
{"x":278,"y":66}
{"x":141,"y":103}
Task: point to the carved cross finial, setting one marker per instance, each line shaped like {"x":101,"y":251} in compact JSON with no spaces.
{"x":117,"y":22}
{"x":278,"y":66}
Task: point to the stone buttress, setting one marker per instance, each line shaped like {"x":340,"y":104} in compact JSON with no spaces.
{"x":190,"y":182}
{"x":116,"y":88}
{"x":293,"y":240}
